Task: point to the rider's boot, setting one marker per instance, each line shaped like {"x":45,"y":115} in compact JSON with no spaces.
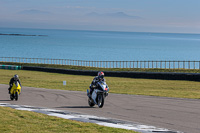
{"x":9,"y":90}
{"x":90,"y":94}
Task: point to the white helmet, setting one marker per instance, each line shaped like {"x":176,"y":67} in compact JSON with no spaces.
{"x":16,"y":77}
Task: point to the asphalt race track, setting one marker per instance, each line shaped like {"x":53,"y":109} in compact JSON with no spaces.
{"x":171,"y":113}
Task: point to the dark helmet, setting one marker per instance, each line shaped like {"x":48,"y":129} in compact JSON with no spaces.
{"x":100,"y":75}
{"x":16,"y":77}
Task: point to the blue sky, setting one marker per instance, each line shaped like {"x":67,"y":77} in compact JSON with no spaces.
{"x":179,"y":16}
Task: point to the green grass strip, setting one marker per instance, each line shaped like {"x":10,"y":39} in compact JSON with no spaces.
{"x":150,"y":87}
{"x":15,"y":121}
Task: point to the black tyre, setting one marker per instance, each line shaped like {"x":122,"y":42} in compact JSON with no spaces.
{"x":91,"y":104}
{"x":11,"y":97}
{"x":16,"y":96}
{"x":100,"y":101}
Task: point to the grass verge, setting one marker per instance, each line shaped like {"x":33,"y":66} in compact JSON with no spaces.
{"x":150,"y":87}
{"x":15,"y":121}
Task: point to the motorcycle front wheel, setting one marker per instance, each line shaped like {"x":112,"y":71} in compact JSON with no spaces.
{"x":100,"y":101}
{"x":16,"y":96}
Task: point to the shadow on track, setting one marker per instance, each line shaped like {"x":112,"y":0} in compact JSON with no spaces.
{"x":74,"y":107}
{"x":5,"y":100}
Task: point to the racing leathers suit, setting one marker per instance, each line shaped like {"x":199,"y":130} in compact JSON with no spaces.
{"x":12,"y":80}
{"x":94,"y":84}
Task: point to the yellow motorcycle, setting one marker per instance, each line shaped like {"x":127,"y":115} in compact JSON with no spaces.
{"x":15,"y":91}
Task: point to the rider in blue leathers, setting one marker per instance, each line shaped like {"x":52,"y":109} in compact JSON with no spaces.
{"x":99,"y":77}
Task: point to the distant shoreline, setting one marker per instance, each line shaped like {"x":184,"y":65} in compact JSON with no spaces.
{"x":19,"y":35}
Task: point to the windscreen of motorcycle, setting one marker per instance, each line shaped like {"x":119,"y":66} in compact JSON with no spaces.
{"x":103,"y":86}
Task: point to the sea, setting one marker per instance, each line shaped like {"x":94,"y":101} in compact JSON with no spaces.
{"x":98,"y":45}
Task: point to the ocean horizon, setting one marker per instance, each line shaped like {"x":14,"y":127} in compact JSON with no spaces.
{"x":98,"y":45}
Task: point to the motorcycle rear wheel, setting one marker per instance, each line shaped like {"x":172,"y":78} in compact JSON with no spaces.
{"x":91,"y":104}
{"x":11,"y":97}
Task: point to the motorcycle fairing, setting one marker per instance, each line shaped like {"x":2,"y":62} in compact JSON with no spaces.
{"x":16,"y":86}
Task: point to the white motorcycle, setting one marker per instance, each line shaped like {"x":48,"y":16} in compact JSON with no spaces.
{"x":98,"y":95}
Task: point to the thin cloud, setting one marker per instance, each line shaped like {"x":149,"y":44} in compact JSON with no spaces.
{"x":113,"y":15}
{"x":34,"y":12}
{"x":79,"y":7}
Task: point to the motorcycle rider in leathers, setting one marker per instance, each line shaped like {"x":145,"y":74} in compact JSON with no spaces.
{"x":12,"y":80}
{"x":99,"y":77}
